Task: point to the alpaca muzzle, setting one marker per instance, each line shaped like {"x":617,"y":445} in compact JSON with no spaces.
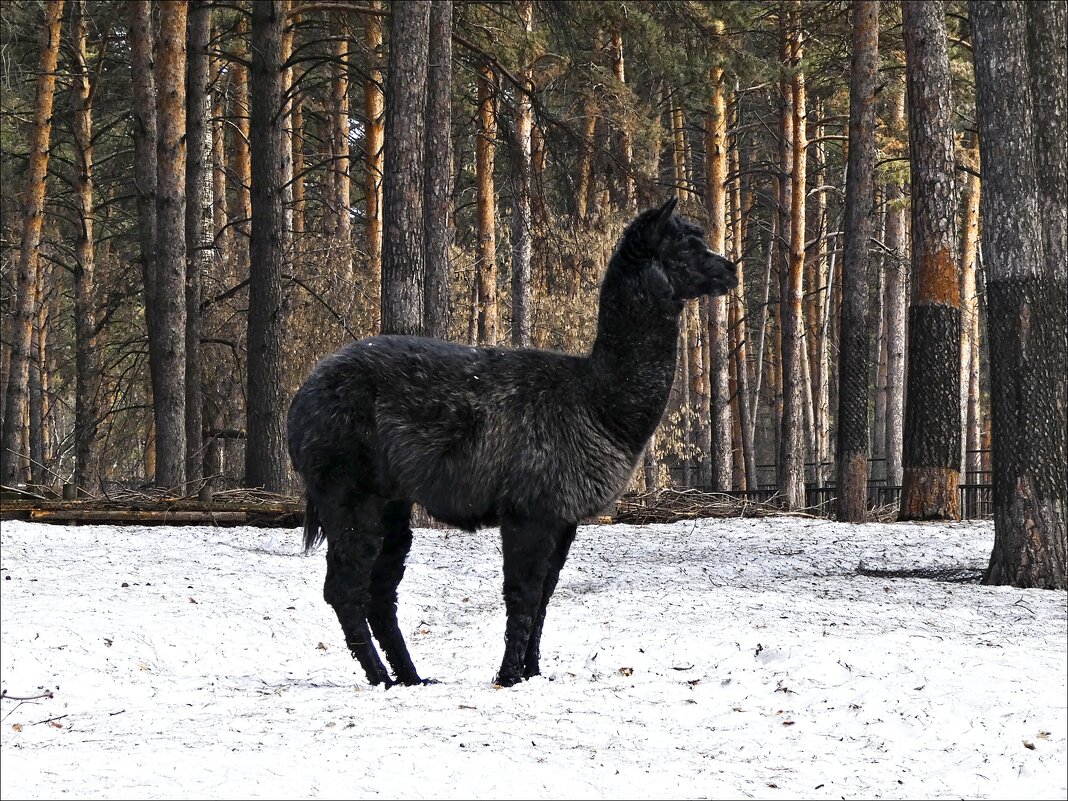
{"x":722,"y":272}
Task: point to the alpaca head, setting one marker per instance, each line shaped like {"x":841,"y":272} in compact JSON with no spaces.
{"x":689,"y":265}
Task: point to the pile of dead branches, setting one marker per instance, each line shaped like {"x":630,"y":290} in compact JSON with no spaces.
{"x":669,"y":505}
{"x":119,"y":505}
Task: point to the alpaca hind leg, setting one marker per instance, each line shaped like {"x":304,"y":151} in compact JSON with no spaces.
{"x":528,"y":547}
{"x":353,"y":542}
{"x":385,"y":577}
{"x":531,"y":665}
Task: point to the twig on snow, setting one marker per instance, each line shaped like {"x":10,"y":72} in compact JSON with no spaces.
{"x":6,"y":697}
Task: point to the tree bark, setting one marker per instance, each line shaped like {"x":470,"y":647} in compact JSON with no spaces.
{"x":486,"y":256}
{"x":170,"y":230}
{"x":816,"y":279}
{"x":523,"y":235}
{"x":296,"y":124}
{"x":698,"y":399}
{"x":403,"y":258}
{"x":853,"y":347}
{"x":717,"y":385}
{"x":340,"y":226}
{"x":199,"y":236}
{"x":932,"y":404}
{"x":791,"y":466}
{"x":583,"y":189}
{"x":1020,"y":78}
{"x":438,"y":197}
{"x":738,"y":315}
{"x":219,"y":377}
{"x":145,"y":135}
{"x":683,"y":404}
{"x":40,"y":419}
{"x":12,"y":468}
{"x":87,"y":355}
{"x":877,"y":314}
{"x":242,"y":166}
{"x":626,"y":146}
{"x":678,"y":151}
{"x":762,"y":357}
{"x":374,"y":153}
{"x":895,"y":305}
{"x":969,"y":341}
{"x":266,"y":463}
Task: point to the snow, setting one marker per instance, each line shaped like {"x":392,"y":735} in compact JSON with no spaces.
{"x":712,"y":658}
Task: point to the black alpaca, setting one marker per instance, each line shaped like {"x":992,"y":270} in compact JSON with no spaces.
{"x":531,"y":440}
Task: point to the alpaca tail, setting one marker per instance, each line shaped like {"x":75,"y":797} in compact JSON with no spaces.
{"x":313,"y":527}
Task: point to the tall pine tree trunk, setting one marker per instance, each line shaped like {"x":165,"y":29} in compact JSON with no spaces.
{"x":1020,"y":76}
{"x":697,"y":351}
{"x":219,"y":374}
{"x":678,"y":151}
{"x":853,"y":348}
{"x":242,"y":159}
{"x":720,"y":426}
{"x":765,"y":320}
{"x":374,"y":110}
{"x":270,"y":246}
{"x":486,"y":258}
{"x":403,"y":257}
{"x":932,"y":403}
{"x":339,"y":225}
{"x":12,"y":469}
{"x":87,"y":355}
{"x":895,"y":305}
{"x":626,"y":146}
{"x":437,"y":203}
{"x":170,"y":308}
{"x":296,"y":124}
{"x":817,"y":281}
{"x":791,"y":463}
{"x":144,"y":136}
{"x":738,"y":314}
{"x":41,"y":473}
{"x":240,"y":219}
{"x":522,"y":224}
{"x":198,"y":225}
{"x":877,"y":313}
{"x":969,"y":301}
{"x":583,"y":186}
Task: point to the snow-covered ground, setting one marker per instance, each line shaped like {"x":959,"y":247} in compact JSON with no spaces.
{"x":717,"y":658}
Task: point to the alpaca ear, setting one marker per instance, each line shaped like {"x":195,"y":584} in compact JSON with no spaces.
{"x":664,"y":215}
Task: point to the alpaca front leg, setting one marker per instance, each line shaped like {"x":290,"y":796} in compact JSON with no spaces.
{"x":353,"y":619}
{"x":349,"y":560}
{"x":386,"y":576}
{"x":528,"y":548}
{"x":531,"y":666}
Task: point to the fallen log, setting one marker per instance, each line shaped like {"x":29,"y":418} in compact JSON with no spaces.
{"x":136,"y":516}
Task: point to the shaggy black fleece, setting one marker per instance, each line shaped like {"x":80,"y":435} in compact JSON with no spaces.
{"x":531,"y":440}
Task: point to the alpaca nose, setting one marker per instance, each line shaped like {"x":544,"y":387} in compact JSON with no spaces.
{"x":731,"y":270}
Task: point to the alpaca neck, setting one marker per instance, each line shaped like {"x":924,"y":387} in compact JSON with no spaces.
{"x":633,"y":356}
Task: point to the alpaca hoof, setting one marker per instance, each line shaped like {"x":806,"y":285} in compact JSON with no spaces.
{"x":507,"y":681}
{"x":416,"y":682}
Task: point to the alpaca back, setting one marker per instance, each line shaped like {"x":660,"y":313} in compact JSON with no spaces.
{"x":469,"y":433}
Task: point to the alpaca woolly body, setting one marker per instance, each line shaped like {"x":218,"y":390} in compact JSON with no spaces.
{"x":471,"y":434}
{"x":533,"y":440}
